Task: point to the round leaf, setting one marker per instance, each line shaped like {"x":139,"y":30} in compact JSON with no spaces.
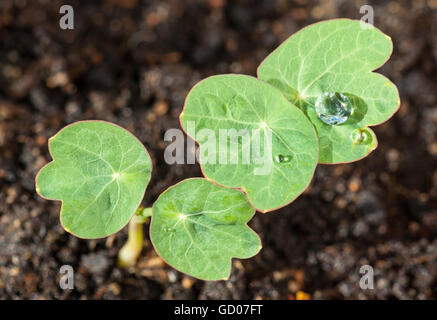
{"x":272,"y":169}
{"x":100,"y":172}
{"x":198,"y":226}
{"x":336,"y":56}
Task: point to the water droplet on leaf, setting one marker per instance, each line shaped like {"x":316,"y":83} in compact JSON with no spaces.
{"x":361,"y":136}
{"x":281,"y":158}
{"x":333,"y":108}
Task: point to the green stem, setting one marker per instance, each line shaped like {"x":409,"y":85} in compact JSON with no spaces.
{"x":129,"y":253}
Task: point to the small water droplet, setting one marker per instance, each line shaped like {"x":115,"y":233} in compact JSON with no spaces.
{"x":361,"y":136}
{"x":333,"y":108}
{"x":165,"y":229}
{"x":280,"y":158}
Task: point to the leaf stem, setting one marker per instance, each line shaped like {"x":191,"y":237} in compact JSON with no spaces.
{"x":129,"y":253}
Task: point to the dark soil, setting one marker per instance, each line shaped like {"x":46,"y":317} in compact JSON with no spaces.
{"x":132,"y":62}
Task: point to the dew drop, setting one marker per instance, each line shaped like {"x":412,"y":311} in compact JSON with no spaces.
{"x":280,"y":158}
{"x":165,"y":229}
{"x":333,"y":108}
{"x":361,"y":136}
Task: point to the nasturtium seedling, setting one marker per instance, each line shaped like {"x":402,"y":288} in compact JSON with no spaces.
{"x":198,"y":227}
{"x":279,"y":141}
{"x":100,"y":173}
{"x":334,"y":58}
{"x":259,"y":146}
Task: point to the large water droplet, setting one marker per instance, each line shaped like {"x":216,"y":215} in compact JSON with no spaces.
{"x":280,"y":158}
{"x":333,"y":108}
{"x":361,"y":136}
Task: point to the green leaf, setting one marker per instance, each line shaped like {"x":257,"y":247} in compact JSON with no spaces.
{"x":198,"y":226}
{"x":336,"y":56}
{"x":237,"y":103}
{"x":100,"y":172}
